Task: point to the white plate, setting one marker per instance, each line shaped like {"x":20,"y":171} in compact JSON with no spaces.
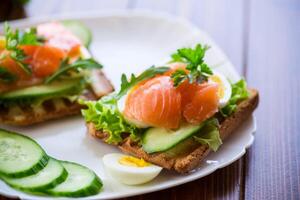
{"x":130,"y":42}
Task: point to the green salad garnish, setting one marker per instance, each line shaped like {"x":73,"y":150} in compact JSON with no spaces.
{"x":239,"y":93}
{"x":199,"y":71}
{"x":209,"y":134}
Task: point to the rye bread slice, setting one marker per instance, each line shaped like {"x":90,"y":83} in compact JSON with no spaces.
{"x":188,"y":154}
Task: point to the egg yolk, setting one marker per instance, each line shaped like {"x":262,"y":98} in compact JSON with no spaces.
{"x":2,"y":43}
{"x":132,"y":161}
{"x":221,"y":88}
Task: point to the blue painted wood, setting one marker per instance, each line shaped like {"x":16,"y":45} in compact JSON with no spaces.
{"x":169,"y":6}
{"x":224,"y":21}
{"x":40,"y":8}
{"x":273,"y":161}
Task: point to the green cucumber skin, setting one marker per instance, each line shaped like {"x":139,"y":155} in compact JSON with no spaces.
{"x":40,"y":190}
{"x":94,"y":188}
{"x":33,"y":169}
{"x":166,"y":147}
{"x":87,"y":38}
{"x":75,"y":88}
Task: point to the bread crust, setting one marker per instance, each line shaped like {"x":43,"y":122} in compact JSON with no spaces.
{"x":22,"y":115}
{"x":188,"y":159}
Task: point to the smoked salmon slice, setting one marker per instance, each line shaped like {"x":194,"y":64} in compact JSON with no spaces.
{"x":46,"y":60}
{"x":200,"y":104}
{"x":155,"y":102}
{"x":58,"y":36}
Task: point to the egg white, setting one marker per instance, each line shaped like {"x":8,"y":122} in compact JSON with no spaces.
{"x":227,"y":89}
{"x":129,"y":175}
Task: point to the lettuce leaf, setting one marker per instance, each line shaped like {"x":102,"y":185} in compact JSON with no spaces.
{"x":239,"y":93}
{"x":209,"y":134}
{"x":105,"y":115}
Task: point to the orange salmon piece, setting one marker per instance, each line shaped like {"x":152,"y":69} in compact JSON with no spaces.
{"x":201,"y":102}
{"x":155,"y":102}
{"x":11,"y":65}
{"x":46,"y":60}
{"x":58,"y":36}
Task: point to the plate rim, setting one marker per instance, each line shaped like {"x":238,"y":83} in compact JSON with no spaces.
{"x":148,"y":14}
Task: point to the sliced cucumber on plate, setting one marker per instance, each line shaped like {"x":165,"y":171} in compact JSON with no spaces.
{"x":161,"y":139}
{"x":20,"y":156}
{"x":53,"y":174}
{"x":25,"y":166}
{"x":80,"y":182}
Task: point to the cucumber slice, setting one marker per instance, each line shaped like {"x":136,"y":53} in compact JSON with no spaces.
{"x":80,"y":30}
{"x":20,"y":156}
{"x":160,"y":139}
{"x":62,"y":87}
{"x":50,"y":176}
{"x":81,"y":182}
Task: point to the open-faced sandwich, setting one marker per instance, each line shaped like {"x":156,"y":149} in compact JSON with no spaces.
{"x":174,"y":115}
{"x":44,"y":70}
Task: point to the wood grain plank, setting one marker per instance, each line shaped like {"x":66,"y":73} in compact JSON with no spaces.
{"x":273,"y":170}
{"x":224,"y":21}
{"x":219,"y":185}
{"x":169,"y":6}
{"x":40,"y":8}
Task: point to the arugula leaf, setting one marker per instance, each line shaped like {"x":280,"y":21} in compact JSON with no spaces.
{"x":6,"y":76}
{"x":199,"y":71}
{"x":179,"y":76}
{"x":104,"y":114}
{"x":79,"y":64}
{"x":209,"y":134}
{"x":15,"y":38}
{"x":150,"y":72}
{"x":239,"y":93}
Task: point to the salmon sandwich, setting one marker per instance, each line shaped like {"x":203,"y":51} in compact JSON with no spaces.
{"x":44,"y":70}
{"x":173,"y":115}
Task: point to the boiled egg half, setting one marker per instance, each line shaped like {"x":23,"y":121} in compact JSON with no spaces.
{"x":224,"y":91}
{"x":130,"y":170}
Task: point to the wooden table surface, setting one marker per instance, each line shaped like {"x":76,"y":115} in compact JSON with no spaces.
{"x":262,"y":39}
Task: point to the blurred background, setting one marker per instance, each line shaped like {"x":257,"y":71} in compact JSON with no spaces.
{"x":262,"y":39}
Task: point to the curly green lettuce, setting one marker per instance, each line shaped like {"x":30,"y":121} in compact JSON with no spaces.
{"x":209,"y":134}
{"x":239,"y":93}
{"x":105,"y":115}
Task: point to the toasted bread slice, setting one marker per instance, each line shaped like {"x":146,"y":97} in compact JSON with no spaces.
{"x":188,"y":154}
{"x":23,"y":115}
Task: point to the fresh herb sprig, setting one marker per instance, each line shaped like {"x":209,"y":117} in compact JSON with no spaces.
{"x":79,"y":64}
{"x":199,"y":71}
{"x":149,"y":73}
{"x":13,"y":40}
